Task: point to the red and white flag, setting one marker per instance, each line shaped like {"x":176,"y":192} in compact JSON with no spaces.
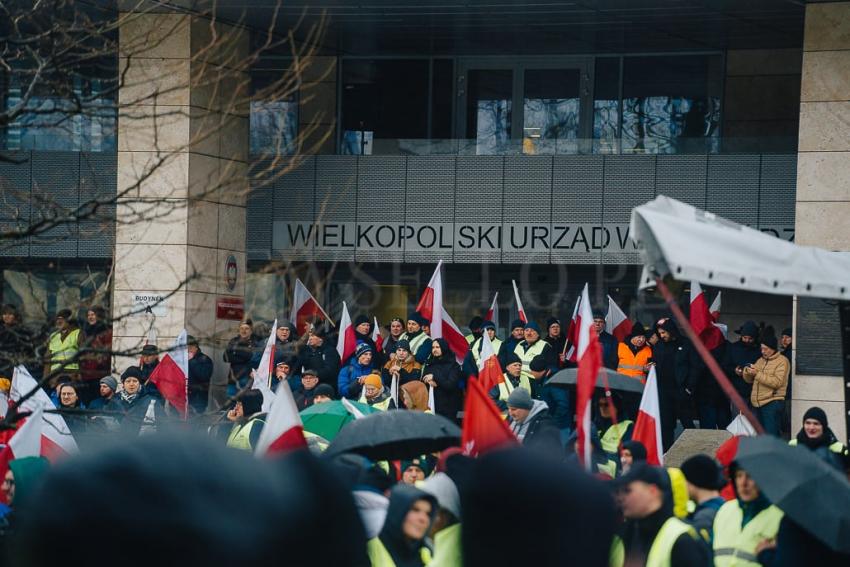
{"x":483,"y":426}
{"x":519,"y":307}
{"x":56,"y":439}
{"x":493,"y":312}
{"x":283,"y":430}
{"x":431,"y":303}
{"x":647,"y":428}
{"x":26,"y":442}
{"x":589,"y":355}
{"x":305,"y":308}
{"x":489,"y":369}
{"x":715,"y":307}
{"x":443,"y":326}
{"x":572,"y":332}
{"x":171,"y":375}
{"x":266,"y":370}
{"x":377,"y":337}
{"x":616,"y":321}
{"x":702,"y":321}
{"x":347,"y":341}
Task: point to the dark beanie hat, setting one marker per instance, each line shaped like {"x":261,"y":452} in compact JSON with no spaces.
{"x":361,"y":349}
{"x":319,"y":331}
{"x":403,"y":343}
{"x":598,"y":314}
{"x":533,"y":326}
{"x":517,"y":323}
{"x":703,"y":472}
{"x":815,"y":412}
{"x":748,"y":329}
{"x":133,"y":372}
{"x":150,"y":350}
{"x":520,"y":399}
{"x":488,"y":325}
{"x":769,"y":340}
{"x":64,"y":313}
{"x":552,"y":321}
{"x":425,"y":462}
{"x":325,"y":390}
{"x":511,"y":358}
{"x":360,"y":319}
{"x":788,"y":332}
{"x":637,"y":329}
{"x":417,"y":317}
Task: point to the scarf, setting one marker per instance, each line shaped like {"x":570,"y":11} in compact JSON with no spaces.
{"x":128,"y":398}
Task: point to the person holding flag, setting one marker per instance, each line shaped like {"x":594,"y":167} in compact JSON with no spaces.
{"x":473,"y":356}
{"x":513,"y":378}
{"x":441,"y":374}
{"x":133,"y":403}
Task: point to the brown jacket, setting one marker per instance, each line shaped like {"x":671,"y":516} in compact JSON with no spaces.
{"x":769,"y":377}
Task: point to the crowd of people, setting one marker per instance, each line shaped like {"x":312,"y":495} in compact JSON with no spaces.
{"x":709,"y":511}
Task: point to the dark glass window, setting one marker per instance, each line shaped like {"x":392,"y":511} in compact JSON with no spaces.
{"x":551,"y":104}
{"x":383,"y":99}
{"x":606,"y":104}
{"x":671,"y":104}
{"x":488,"y":110}
{"x":442,"y":95}
{"x":274,"y":113}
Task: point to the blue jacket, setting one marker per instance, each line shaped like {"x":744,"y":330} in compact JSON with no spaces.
{"x":346,"y":383}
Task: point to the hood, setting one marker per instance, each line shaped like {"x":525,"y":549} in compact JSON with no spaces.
{"x":402,"y":498}
{"x":447,"y":356}
{"x":536,"y":408}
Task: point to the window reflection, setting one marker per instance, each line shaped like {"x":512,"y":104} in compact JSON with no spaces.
{"x":488,"y":112}
{"x":551,"y":111}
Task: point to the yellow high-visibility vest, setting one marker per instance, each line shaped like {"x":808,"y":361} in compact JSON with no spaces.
{"x":735,"y":546}
{"x":62,"y":350}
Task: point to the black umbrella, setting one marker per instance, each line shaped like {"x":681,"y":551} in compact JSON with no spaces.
{"x":811,"y":492}
{"x":616,"y":381}
{"x":395,"y":434}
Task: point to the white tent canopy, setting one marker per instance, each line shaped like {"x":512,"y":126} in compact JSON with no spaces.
{"x":689,"y":244}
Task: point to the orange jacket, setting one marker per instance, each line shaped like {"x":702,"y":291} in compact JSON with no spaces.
{"x":632,"y":364}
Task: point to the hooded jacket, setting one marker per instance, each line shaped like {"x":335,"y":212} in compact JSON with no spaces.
{"x":537,"y":430}
{"x":347,"y":381}
{"x":448,"y":397}
{"x":404,"y":553}
{"x":674,"y":362}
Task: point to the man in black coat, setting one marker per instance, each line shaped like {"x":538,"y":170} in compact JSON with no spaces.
{"x":200,"y":372}
{"x":676,"y":374}
{"x":741,"y":353}
{"x":515,"y":337}
{"x":647,"y":511}
{"x":320,"y":356}
{"x":529,"y":420}
{"x":610,"y":359}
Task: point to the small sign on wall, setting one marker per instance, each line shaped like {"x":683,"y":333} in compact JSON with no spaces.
{"x":150,"y":303}
{"x":230,"y":308}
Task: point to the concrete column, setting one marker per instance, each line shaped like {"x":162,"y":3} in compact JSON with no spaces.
{"x":182,"y":179}
{"x":823,"y":171}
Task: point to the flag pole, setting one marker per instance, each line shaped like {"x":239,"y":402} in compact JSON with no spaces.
{"x":709,"y":361}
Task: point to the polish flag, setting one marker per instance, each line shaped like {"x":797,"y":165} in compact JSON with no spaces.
{"x":572,"y":332}
{"x":647,"y":428}
{"x":56,"y":439}
{"x":616,"y":321}
{"x":431,"y":303}
{"x":377,"y":337}
{"x":347,"y":341}
{"x":701,"y":319}
{"x":589,"y":355}
{"x":493,"y":312}
{"x":456,"y":339}
{"x":483,"y":426}
{"x":283,"y":430}
{"x":489,"y":369}
{"x":171,"y":375}
{"x":443,"y":326}
{"x":519,"y":307}
{"x":715,"y":307}
{"x":26,"y":442}
{"x":305,"y":308}
{"x":265,"y":370}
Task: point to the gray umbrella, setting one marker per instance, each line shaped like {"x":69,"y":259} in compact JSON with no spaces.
{"x":616,"y":381}
{"x":395,"y":434}
{"x":810,"y":492}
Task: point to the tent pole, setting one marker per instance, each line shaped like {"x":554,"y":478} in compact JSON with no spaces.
{"x":844,"y":318}
{"x":709,"y":361}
